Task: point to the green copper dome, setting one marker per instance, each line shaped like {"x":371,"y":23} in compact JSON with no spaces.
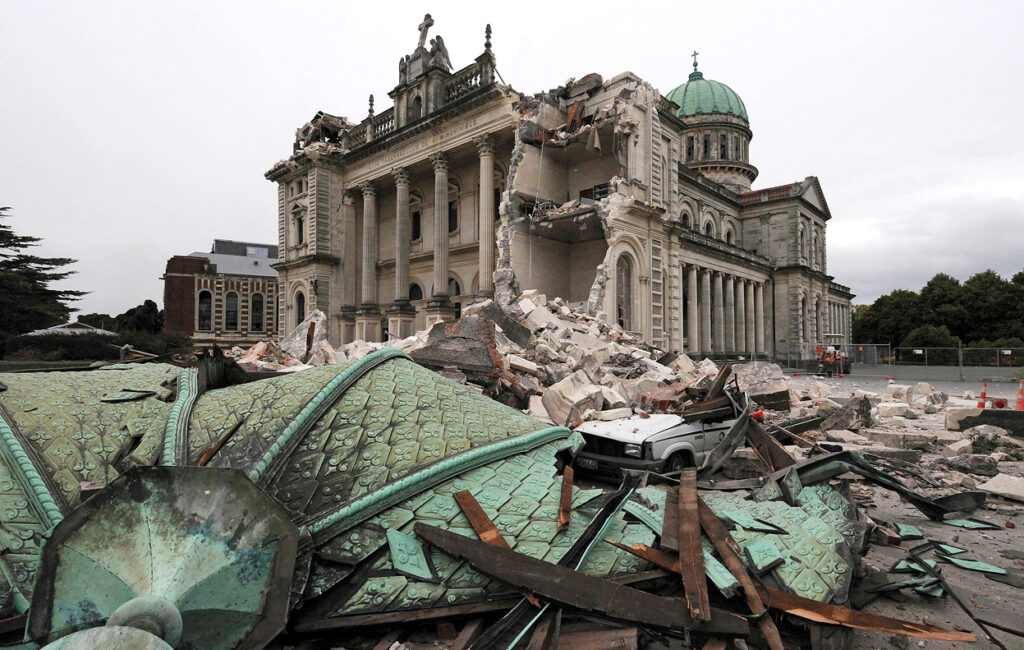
{"x":699,"y":95}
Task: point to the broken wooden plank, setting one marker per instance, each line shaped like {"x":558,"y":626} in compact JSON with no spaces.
{"x":729,"y":551}
{"x":546,"y":634}
{"x":691,"y":555}
{"x":479,"y":520}
{"x":718,"y":387}
{"x":816,"y":611}
{"x":574,"y":589}
{"x":468,"y":634}
{"x":768,"y":448}
{"x":388,"y":639}
{"x":211,"y":451}
{"x":620,"y":639}
{"x":565,"y":502}
{"x":486,"y":529}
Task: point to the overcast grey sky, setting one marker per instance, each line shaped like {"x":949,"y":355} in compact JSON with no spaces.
{"x":135,"y":131}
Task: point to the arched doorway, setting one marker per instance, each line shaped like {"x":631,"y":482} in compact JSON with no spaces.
{"x":300,"y":308}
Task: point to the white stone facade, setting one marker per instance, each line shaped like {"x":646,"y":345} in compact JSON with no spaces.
{"x":466,"y":189}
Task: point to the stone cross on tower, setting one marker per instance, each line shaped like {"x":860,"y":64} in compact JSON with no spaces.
{"x":424,"y":26}
{"x":694,"y":55}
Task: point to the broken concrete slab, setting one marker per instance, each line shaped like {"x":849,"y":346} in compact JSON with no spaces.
{"x":846,"y":437}
{"x":566,"y":400}
{"x":899,"y":393}
{"x":519,"y":364}
{"x":893,"y":409}
{"x":980,"y":464}
{"x":1005,"y":485}
{"x":856,"y":414}
{"x":900,"y":439}
{"x":958,"y":448}
{"x":764,"y":383}
{"x":961,"y":419}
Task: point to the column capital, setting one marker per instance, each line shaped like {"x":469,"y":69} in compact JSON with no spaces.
{"x":400,"y":175}
{"x":368,"y":190}
{"x":485,"y":145}
{"x":440,"y":161}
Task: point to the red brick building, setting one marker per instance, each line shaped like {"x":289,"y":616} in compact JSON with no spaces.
{"x":225,"y":297}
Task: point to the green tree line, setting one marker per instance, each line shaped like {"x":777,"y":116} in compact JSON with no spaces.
{"x":986,"y":310}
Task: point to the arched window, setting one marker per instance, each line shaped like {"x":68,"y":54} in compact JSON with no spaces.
{"x":684,"y":219}
{"x":300,"y":308}
{"x":728,"y":236}
{"x":415,"y":292}
{"x":453,"y":207}
{"x":231,"y":312}
{"x":416,"y":108}
{"x":819,"y":334}
{"x":624,"y":293}
{"x":804,"y":331}
{"x":455,"y":290}
{"x":801,"y":243}
{"x":416,"y":212}
{"x":709,"y":229}
{"x":205,"y":312}
{"x":814,"y":249}
{"x":257,"y":320}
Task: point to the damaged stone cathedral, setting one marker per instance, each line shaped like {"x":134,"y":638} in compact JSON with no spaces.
{"x":606,"y":193}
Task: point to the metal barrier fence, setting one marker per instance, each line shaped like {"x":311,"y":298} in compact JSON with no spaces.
{"x":870,"y":358}
{"x":906,"y":363}
{"x":959,"y":364}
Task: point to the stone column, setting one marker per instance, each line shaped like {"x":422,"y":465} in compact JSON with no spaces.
{"x":401,"y":314}
{"x":741,"y":318}
{"x":692,"y":324}
{"x":348,"y":261}
{"x":749,"y":319}
{"x":730,"y":315}
{"x":759,"y":319}
{"x":485,"y":230}
{"x":718,"y":343}
{"x":440,"y":307}
{"x":705,"y":312}
{"x":368,"y":317}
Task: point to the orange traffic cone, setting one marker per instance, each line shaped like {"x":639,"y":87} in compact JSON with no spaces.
{"x":981,"y":400}
{"x":1020,"y":396}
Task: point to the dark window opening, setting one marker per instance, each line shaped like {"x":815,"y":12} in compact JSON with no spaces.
{"x":300,"y":230}
{"x":300,"y":308}
{"x":453,"y":216}
{"x":723,"y":149}
{"x":256,"y":313}
{"x":205,"y":311}
{"x":497,"y":205}
{"x":624,"y":293}
{"x":231,"y":312}
{"x":689,"y":148}
{"x":709,"y":229}
{"x":416,"y":109}
{"x":415,"y":292}
{"x":455,"y":290}
{"x":736,"y":153}
{"x":417,"y":226}
{"x":707,"y":147}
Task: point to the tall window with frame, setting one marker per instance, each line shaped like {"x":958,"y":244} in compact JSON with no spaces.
{"x":257,"y":319}
{"x":689,"y":148}
{"x":707,"y":147}
{"x":736,"y":153}
{"x":624,"y":293}
{"x":204,"y":321}
{"x":231,"y":312}
{"x":300,"y":308}
{"x":416,"y":215}
{"x":723,"y":148}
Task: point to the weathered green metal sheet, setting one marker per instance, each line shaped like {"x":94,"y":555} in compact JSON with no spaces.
{"x":973,"y":565}
{"x":175,"y":438}
{"x":906,"y":531}
{"x":63,"y":417}
{"x":971,"y":524}
{"x":764,"y":554}
{"x":207,"y":543}
{"x":408,"y":556}
{"x":949,"y":549}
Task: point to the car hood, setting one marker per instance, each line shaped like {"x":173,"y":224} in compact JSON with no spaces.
{"x":634,"y":429}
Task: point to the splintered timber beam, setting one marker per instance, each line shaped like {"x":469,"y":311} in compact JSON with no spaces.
{"x":486,"y":529}
{"x":729,"y":551}
{"x":565,"y":501}
{"x":818,"y":612}
{"x":574,"y":589}
{"x":691,"y":555}
{"x":768,"y":448}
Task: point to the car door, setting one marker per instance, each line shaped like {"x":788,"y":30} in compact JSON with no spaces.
{"x":714,"y":433}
